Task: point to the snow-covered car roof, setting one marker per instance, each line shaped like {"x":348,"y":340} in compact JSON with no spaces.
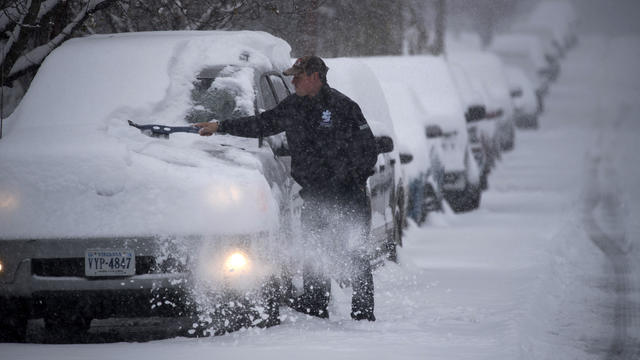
{"x":469,"y":87}
{"x":71,"y":166}
{"x":520,"y":46}
{"x":354,"y":78}
{"x":407,"y":114}
{"x":489,"y":69}
{"x":148,"y":71}
{"x":431,"y":80}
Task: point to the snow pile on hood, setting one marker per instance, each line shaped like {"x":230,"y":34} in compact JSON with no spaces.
{"x":73,"y":167}
{"x":240,"y":82}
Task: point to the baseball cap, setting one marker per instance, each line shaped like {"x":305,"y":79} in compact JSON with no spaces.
{"x":308,"y":64}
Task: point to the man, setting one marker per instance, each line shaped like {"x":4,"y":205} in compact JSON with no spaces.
{"x":333,"y":152}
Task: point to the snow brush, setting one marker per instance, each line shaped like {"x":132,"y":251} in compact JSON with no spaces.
{"x":163,"y":131}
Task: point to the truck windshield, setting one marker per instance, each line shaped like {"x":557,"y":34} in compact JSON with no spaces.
{"x":222,"y":93}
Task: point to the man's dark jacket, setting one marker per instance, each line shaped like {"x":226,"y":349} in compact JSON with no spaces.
{"x":332,"y":147}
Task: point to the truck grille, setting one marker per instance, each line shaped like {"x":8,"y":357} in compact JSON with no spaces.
{"x":75,"y":266}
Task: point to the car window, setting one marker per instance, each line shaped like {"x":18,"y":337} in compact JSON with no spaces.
{"x":278,"y":84}
{"x":270,"y":100}
{"x":222,"y":93}
{"x":274,"y":90}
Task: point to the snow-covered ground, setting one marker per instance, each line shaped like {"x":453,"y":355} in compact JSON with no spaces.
{"x":548,"y":268}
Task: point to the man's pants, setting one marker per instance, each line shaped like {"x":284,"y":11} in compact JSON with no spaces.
{"x":336,"y":231}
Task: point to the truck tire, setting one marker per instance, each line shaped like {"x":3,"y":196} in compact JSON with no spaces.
{"x":14,"y":314}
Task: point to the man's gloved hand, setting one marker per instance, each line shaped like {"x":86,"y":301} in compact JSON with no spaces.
{"x":207,"y":128}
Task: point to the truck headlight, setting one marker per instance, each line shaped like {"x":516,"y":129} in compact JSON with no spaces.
{"x":1,"y":267}
{"x":8,"y":201}
{"x":236,"y":263}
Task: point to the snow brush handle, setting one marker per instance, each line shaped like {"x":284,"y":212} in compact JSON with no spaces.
{"x":156,"y":130}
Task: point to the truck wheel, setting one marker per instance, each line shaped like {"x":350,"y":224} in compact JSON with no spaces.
{"x":484,"y":180}
{"x":13,"y":329}
{"x":465,"y":200}
{"x":395,"y":239}
{"x":13,"y":320}
{"x":430,"y":203}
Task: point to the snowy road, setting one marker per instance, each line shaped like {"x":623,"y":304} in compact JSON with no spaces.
{"x":548,"y":268}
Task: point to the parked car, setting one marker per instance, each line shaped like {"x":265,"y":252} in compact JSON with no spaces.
{"x":526,"y":52}
{"x":386,"y":186}
{"x":431,"y":80}
{"x":419,"y":149}
{"x":483,"y":134}
{"x":524,"y":99}
{"x":99,"y":220}
{"x":489,"y":69}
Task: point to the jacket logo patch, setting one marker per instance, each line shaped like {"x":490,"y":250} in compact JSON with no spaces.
{"x":326,"y":119}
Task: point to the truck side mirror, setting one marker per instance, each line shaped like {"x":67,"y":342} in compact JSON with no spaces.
{"x":475,"y":113}
{"x":433,"y":131}
{"x":405,"y":158}
{"x":385,"y":144}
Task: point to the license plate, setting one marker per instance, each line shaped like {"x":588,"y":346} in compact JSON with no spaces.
{"x":109,"y":262}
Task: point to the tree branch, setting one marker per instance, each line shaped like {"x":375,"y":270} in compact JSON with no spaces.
{"x":34,"y":58}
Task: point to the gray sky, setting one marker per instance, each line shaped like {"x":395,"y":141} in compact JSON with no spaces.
{"x":611,"y":17}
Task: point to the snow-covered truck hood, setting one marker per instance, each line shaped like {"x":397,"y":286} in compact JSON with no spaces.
{"x":71,"y":166}
{"x":132,"y":190}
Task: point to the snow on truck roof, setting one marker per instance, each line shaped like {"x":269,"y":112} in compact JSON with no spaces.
{"x":148,"y":72}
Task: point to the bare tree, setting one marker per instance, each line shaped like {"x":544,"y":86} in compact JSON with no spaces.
{"x":32,"y":29}
{"x":158,"y":15}
{"x":440,"y":24}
